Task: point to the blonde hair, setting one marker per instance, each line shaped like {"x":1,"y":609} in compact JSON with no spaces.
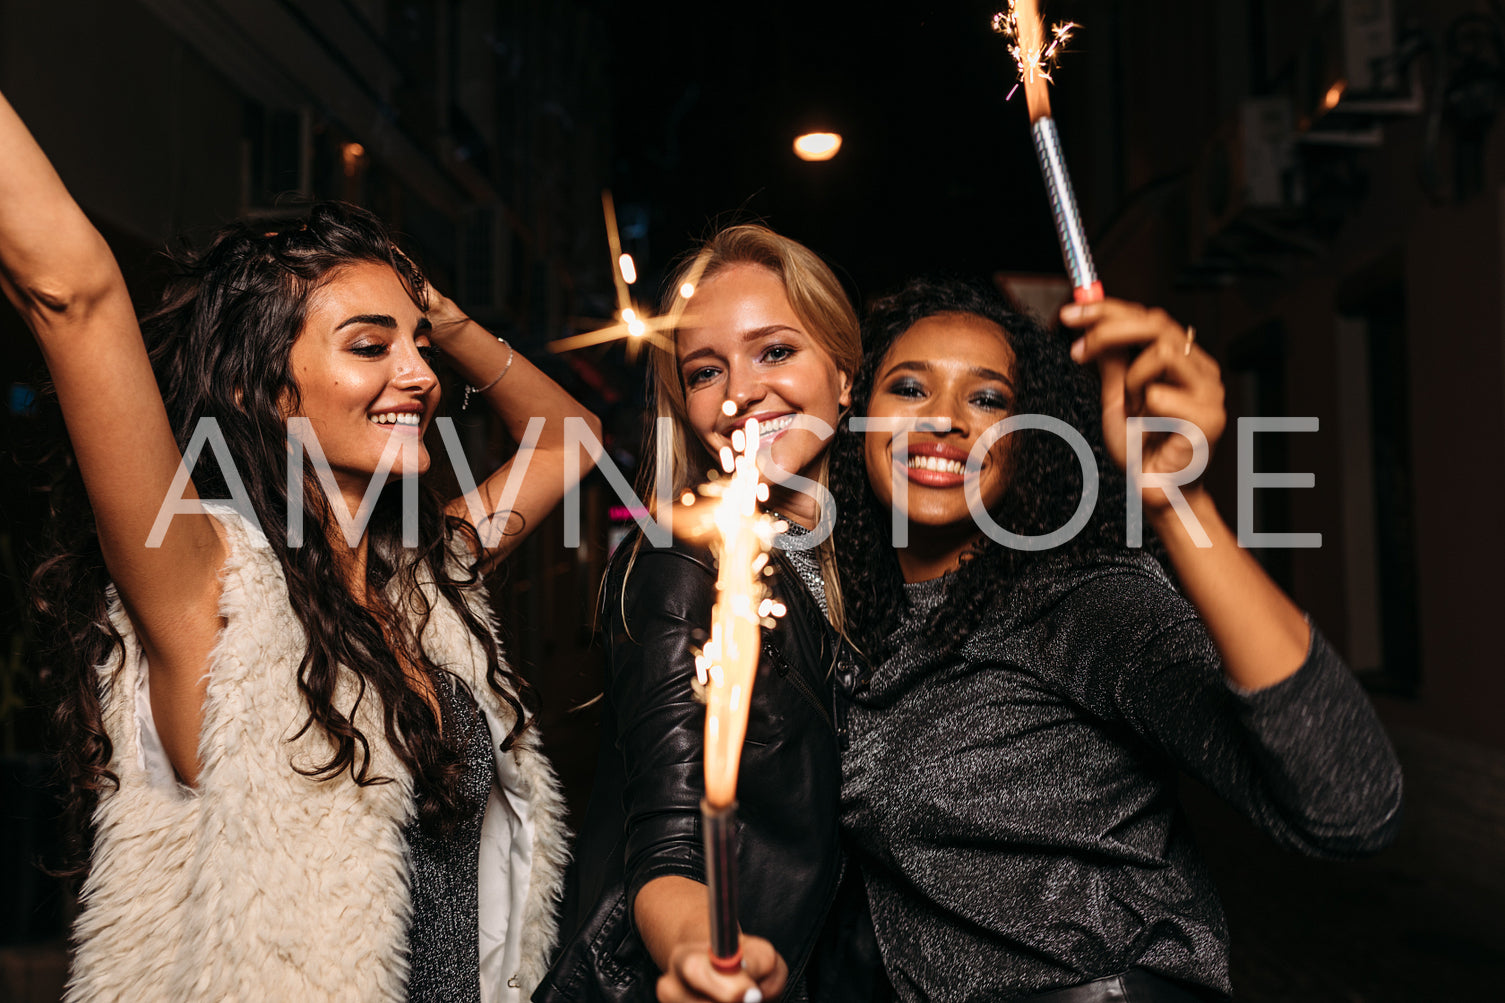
{"x":822,"y":306}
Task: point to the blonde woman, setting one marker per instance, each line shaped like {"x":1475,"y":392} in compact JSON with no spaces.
{"x":768,"y":334}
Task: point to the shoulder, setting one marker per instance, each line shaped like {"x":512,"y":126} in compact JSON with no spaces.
{"x":678,"y":581}
{"x":1119,"y":574}
{"x":637,"y":567}
{"x":1121,"y":585}
{"x":238,"y":528}
{"x":1104,"y":600}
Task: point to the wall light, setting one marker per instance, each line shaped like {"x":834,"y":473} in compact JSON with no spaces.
{"x":1334,"y":95}
{"x":351,"y":155}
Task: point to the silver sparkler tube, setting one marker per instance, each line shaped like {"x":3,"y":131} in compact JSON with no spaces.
{"x":719,"y":826}
{"x":1074,"y":249}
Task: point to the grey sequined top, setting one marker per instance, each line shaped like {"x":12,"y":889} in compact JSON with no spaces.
{"x":805,"y":563}
{"x":1014,"y":806}
{"x":444,"y":960}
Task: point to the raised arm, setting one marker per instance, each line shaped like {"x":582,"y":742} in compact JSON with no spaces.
{"x":1152,"y":367}
{"x":521,"y":395}
{"x":56,"y":270}
{"x":1307,"y":759}
{"x":1310,"y":761}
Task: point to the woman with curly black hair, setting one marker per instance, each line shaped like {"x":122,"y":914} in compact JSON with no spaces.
{"x":306,"y":768}
{"x":1010,"y":777}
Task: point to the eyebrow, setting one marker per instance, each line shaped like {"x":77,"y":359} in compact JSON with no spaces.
{"x":925,"y":367}
{"x":378,"y":319}
{"x":753,"y":335}
{"x":387,"y":321}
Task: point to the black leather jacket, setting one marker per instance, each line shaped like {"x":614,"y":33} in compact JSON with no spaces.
{"x":643,"y":820}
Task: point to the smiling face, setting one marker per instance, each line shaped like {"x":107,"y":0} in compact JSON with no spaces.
{"x":952,"y":365}
{"x":363,"y":373}
{"x":743,"y":346}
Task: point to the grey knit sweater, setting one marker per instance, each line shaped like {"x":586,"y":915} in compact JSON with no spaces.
{"x":1013,"y":806}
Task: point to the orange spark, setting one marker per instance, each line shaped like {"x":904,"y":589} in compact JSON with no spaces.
{"x":728,"y":664}
{"x":1021,"y":25}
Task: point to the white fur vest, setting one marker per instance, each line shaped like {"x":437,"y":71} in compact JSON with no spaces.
{"x":263,"y":884}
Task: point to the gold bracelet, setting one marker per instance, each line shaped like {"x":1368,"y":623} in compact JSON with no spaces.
{"x":511,"y":353}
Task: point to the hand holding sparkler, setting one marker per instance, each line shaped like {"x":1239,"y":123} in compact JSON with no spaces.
{"x":692,"y":978}
{"x":727,"y":667}
{"x":741,"y":536}
{"x":1151,"y":367}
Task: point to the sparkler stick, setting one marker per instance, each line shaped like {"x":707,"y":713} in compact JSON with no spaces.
{"x":726,"y":668}
{"x":1021,"y":22}
{"x":614,"y":242}
{"x":1086,"y":288}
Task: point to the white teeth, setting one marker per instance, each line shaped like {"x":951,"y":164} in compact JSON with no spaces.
{"x":775,"y":425}
{"x":397,"y":418}
{"x":937,"y":464}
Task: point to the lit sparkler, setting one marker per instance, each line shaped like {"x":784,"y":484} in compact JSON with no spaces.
{"x":726,"y":668}
{"x":633,"y":322}
{"x":1033,"y":57}
{"x":1021,"y":24}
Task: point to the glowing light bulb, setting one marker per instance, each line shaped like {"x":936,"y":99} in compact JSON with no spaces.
{"x":351,"y":156}
{"x":1334,"y":95}
{"x":629,"y":269}
{"x":817,"y":146}
{"x":687,"y":290}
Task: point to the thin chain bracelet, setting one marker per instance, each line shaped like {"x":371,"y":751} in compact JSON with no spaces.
{"x":511,"y":353}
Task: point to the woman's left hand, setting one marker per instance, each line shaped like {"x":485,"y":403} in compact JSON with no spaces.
{"x":447,"y":318}
{"x":1151,"y":367}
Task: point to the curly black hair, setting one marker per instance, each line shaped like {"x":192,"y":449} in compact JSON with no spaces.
{"x":1044,"y":476}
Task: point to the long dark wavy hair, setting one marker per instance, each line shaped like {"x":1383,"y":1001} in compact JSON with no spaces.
{"x":220,"y":344}
{"x":1044,"y":476}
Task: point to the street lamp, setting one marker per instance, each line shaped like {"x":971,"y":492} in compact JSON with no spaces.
{"x":817,"y":145}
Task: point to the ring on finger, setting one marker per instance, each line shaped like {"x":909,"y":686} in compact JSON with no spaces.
{"x":1191,"y":336}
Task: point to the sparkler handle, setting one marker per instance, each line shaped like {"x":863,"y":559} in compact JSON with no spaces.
{"x":1074,"y":250}
{"x":719,"y":826}
{"x":1088,"y":294}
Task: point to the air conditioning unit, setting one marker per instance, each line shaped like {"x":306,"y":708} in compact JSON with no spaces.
{"x":1367,"y":30}
{"x":1350,"y":78}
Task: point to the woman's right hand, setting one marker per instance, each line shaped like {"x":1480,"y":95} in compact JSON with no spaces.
{"x":691,"y":978}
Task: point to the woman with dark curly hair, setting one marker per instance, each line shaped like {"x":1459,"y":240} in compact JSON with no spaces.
{"x":1010,"y":782}
{"x":308,"y":771}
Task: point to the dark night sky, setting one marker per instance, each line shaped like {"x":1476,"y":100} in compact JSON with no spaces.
{"x":936,"y":171}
